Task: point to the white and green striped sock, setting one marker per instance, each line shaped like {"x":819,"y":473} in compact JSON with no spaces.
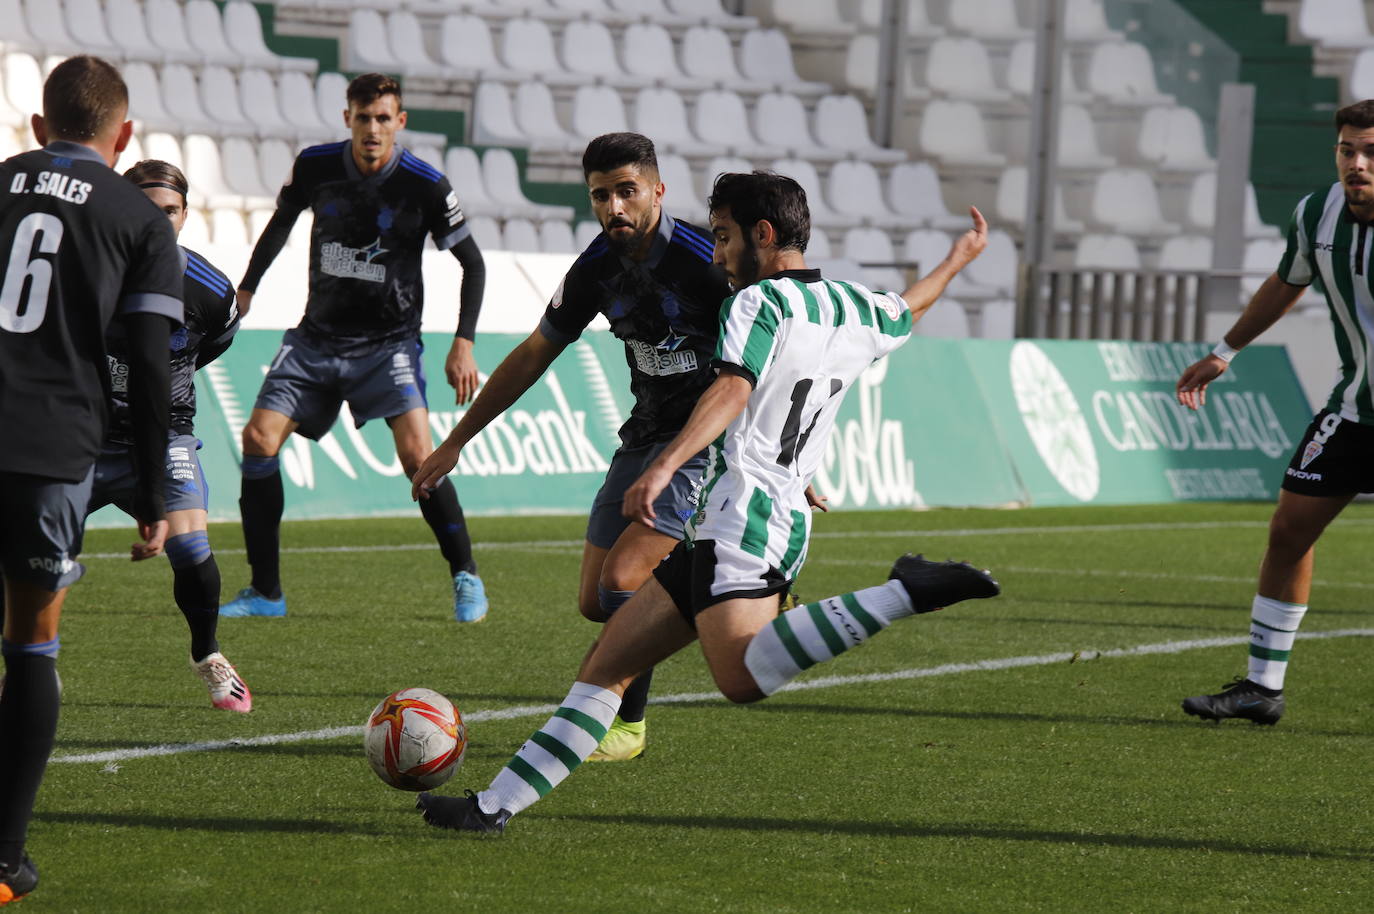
{"x":807,"y":635}
{"x":1273,"y":627}
{"x":554,"y":750}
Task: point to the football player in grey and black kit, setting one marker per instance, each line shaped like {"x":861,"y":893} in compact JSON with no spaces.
{"x":81,"y":246}
{"x":212,"y":319}
{"x":652,"y":276}
{"x":373,"y":204}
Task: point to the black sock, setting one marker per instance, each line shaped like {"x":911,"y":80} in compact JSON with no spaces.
{"x":636,"y":697}
{"x":28,"y":724}
{"x":261,"y":502}
{"x":445,"y":517}
{"x":196,"y":590}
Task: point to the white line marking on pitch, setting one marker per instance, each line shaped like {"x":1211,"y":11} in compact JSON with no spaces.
{"x":824,"y":682}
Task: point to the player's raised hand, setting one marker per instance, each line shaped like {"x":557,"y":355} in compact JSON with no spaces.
{"x":1192,"y":386}
{"x":970,"y":244}
{"x":638,"y":504}
{"x":461,"y":369}
{"x":432,"y":472}
{"x":154,"y":536}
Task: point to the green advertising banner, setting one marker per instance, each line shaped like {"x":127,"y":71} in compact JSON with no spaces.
{"x":939,"y":423}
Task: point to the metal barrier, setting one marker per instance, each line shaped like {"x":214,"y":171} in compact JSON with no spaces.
{"x":1141,"y":305}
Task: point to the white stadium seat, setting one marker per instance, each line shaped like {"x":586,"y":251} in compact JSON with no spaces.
{"x":679,"y":195}
{"x":946,"y":319}
{"x":841,"y":124}
{"x":86,"y":23}
{"x":986,"y":19}
{"x":527,"y":45}
{"x":219,"y":94}
{"x":1020,"y":78}
{"x":228,"y":228}
{"x":720,"y":118}
{"x":145,"y":96}
{"x":48,"y":26}
{"x":647,"y":52}
{"x":205,"y":172}
{"x":1335,"y":23}
{"x":1106,"y":252}
{"x":258,"y":92}
{"x":597,"y":110}
{"x":961,"y":68}
{"x":854,"y":188}
{"x":1010,"y":205}
{"x":520,"y":235}
{"x":707,"y":54}
{"x":1186,"y":252}
{"x":243,"y":32}
{"x":781,"y":117}
{"x":556,"y":237}
{"x":804,"y":173}
{"x":166,"y":24}
{"x":14,"y":32}
{"x":205,"y":27}
{"x":164,"y":146}
{"x":588,"y":49}
{"x":996,"y":267}
{"x":129,"y":30}
{"x":331,"y":98}
{"x":502,"y":178}
{"x":181,"y":95}
{"x":407,"y":40}
{"x":766,"y":60}
{"x":239,"y":160}
{"x":954,"y":133}
{"x":195,"y":233}
{"x":275,"y":159}
{"x":585,"y":233}
{"x":464,"y":172}
{"x":367,"y":46}
{"x":662,"y":114}
{"x":872,"y":249}
{"x":1123,"y":73}
{"x":486,"y":231}
{"x":1202,"y":207}
{"x":493,"y":117}
{"x":914,"y":191}
{"x":467,"y":49}
{"x":1126,"y":200}
{"x":927,"y":247}
{"x":300,"y":106}
{"x":818,"y":245}
{"x":537,"y":119}
{"x":1078,"y":146}
{"x":868,"y":14}
{"x":1171,"y":139}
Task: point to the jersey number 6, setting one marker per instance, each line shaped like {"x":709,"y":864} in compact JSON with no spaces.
{"x":24,"y":299}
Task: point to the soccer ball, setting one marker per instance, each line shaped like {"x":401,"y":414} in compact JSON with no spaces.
{"x":415,"y":739}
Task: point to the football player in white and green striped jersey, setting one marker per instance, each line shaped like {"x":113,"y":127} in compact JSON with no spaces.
{"x":791,"y":343}
{"x":1329,"y":240}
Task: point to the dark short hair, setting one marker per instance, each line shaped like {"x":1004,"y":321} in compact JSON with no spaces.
{"x":616,"y":150}
{"x":754,"y":197}
{"x":82,"y":96}
{"x":366,"y":89}
{"x":1360,"y":114}
{"x":156,"y":172}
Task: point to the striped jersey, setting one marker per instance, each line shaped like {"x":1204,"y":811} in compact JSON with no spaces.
{"x":1327,"y":243}
{"x":802,"y":341}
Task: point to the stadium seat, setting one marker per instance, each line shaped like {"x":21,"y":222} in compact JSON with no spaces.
{"x":1021,"y":74}
{"x":502,"y":178}
{"x":145,"y":96}
{"x":464,"y":172}
{"x":166,"y":24}
{"x":275,"y":159}
{"x":129,"y":31}
{"x":647,"y":52}
{"x":1262,"y":257}
{"x":954,"y":133}
{"x":997,"y":320}
{"x":467,"y":49}
{"x":367,"y":45}
{"x":493,"y":117}
{"x":914,"y":191}
{"x":1126,"y":200}
{"x":1171,"y":139}
{"x":679,"y":195}
{"x":818,"y":246}
{"x":586,"y":48}
{"x":861,"y":69}
{"x":1106,"y":252}
{"x":1010,"y":205}
{"x":14,"y":32}
{"x":205,"y":27}
{"x":537,"y":120}
{"x":662,"y":114}
{"x":926,"y":248}
{"x":331,"y":99}
{"x":707,"y":54}
{"x":300,"y":106}
{"x":841,"y":124}
{"x":1186,"y":252}
{"x":781,"y":118}
{"x":996,"y":268}
{"x":520,"y":235}
{"x":181,"y":95}
{"x":959,"y":68}
{"x":649,"y":10}
{"x":1202,"y":207}
{"x":407,"y":41}
{"x":855,"y":189}
{"x":720,"y":118}
{"x":132,"y":153}
{"x":228,"y":228}
{"x":994,"y":20}
{"x":195,"y":233}
{"x":205,"y":172}
{"x":708,"y":11}
{"x":239,"y":161}
{"x":585,"y":233}
{"x":219,"y":94}
{"x":766,"y":60}
{"x":1123,"y":73}
{"x":527,"y":45}
{"x":1078,"y":146}
{"x":556,"y":237}
{"x":720,"y":165}
{"x":1334,"y":23}
{"x":946,"y":319}
{"x":597,"y":110}
{"x":86,"y":23}
{"x":804,"y":173}
{"x":596,"y":9}
{"x":259,"y":93}
{"x":243,"y":32}
{"x":429,"y":153}
{"x":48,"y":27}
{"x":164,"y":146}
{"x":486,"y":231}
{"x":872,"y":249}
{"x":824,"y":17}
{"x":868,"y":15}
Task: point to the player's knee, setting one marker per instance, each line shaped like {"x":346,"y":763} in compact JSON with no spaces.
{"x":738,"y":686}
{"x":259,"y":442}
{"x":591,"y":609}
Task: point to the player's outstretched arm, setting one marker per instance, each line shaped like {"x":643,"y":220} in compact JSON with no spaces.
{"x":967,"y":246}
{"x":517,"y":371}
{"x":1271,"y":301}
{"x":149,"y":396}
{"x":724,"y":400}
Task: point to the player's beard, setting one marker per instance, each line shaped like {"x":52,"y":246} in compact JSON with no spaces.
{"x":626,"y":246}
{"x":748,"y":272}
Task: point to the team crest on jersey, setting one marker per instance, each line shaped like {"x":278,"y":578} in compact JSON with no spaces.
{"x":1310,"y":453}
{"x":890,"y":307}
{"x":557,"y":300}
{"x":353,"y":263}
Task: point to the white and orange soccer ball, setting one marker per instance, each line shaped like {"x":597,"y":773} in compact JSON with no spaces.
{"x":415,"y":739}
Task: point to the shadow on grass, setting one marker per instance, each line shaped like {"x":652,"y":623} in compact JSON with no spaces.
{"x":990,"y":832}
{"x":213,"y":823}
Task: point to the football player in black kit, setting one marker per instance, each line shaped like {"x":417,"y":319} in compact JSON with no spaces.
{"x":652,"y":276}
{"x":212,"y":319}
{"x":82,"y":247}
{"x":373,"y":203}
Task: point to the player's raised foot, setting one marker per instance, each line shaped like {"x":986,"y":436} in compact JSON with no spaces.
{"x":17,"y":880}
{"x":227,"y":691}
{"x":624,"y":740}
{"x":1240,"y":698}
{"x":461,"y":813}
{"x":935,"y":585}
{"x":469,"y":598}
{"x":249,"y":602}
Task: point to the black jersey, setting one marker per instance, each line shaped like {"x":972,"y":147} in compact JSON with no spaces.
{"x":366,"y":289}
{"x":79,"y":243}
{"x":212,"y":319}
{"x":666,"y":310}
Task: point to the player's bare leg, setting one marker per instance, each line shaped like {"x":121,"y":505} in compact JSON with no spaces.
{"x":443,"y":513}
{"x":261,"y":502}
{"x":646,"y":630}
{"x":1285,"y":584}
{"x":609,"y":578}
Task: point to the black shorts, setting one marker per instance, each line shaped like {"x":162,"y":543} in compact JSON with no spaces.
{"x":689,"y":575}
{"x":672,"y":509}
{"x":1335,"y":457}
{"x":41,"y":524}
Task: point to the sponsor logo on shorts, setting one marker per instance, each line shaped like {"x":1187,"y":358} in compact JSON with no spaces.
{"x":1304,"y":475}
{"x":52,"y":566}
{"x":353,"y":263}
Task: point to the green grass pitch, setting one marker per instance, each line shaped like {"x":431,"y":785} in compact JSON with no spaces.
{"x":1056,"y":777}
